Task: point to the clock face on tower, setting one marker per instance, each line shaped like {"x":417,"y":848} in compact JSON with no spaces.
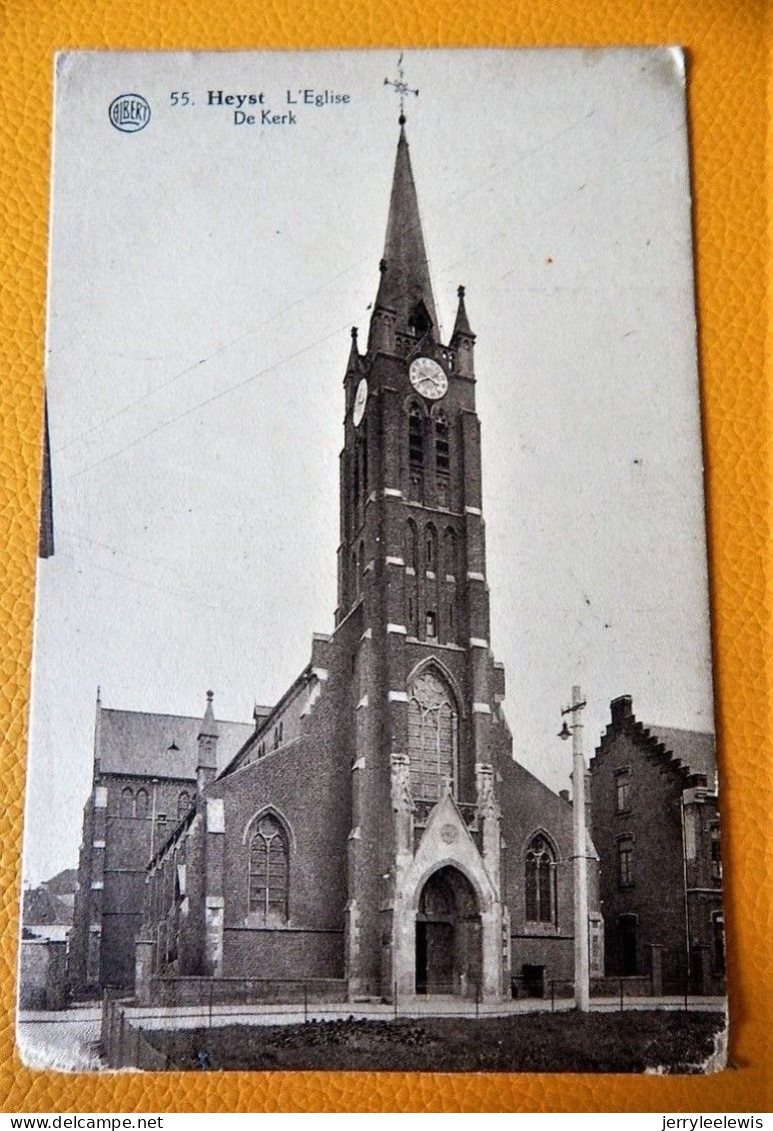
{"x":360,"y":399}
{"x":428,"y":378}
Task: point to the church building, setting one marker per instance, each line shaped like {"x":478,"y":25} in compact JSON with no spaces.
{"x":374,"y":827}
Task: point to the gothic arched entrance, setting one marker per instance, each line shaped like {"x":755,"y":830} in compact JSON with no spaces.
{"x":448,"y":935}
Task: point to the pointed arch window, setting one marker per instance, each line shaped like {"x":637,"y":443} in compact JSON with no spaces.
{"x":183,"y":804}
{"x":127,"y":802}
{"x":419,"y":319}
{"x":411,"y":584}
{"x":442,"y":444}
{"x":449,"y":553}
{"x":141,"y":804}
{"x":430,"y":549}
{"x":540,"y":881}
{"x":415,"y":436}
{"x":269,"y":871}
{"x":432,"y":736}
{"x":415,"y":452}
{"x":356,"y":482}
{"x":442,"y":460}
{"x":411,"y":545}
{"x":363,"y":445}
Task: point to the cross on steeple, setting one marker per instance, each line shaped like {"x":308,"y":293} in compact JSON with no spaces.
{"x":400,"y":87}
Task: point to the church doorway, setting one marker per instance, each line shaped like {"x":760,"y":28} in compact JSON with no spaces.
{"x":448,"y":936}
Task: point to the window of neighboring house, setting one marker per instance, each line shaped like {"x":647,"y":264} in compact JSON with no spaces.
{"x":141,"y":803}
{"x":540,"y":881}
{"x":716,"y":855}
{"x":625,"y":862}
{"x":623,"y":788}
{"x":718,"y":942}
{"x":269,"y":871}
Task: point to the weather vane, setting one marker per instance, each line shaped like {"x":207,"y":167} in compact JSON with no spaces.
{"x":401,"y":87}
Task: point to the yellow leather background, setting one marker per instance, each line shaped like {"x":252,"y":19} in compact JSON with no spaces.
{"x":727,"y":88}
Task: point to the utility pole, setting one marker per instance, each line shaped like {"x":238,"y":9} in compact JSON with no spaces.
{"x":581,"y":949}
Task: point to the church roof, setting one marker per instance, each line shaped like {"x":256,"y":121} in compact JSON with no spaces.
{"x":148,"y":745}
{"x":405,"y":280}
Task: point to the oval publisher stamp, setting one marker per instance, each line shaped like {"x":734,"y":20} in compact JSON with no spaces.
{"x":129,"y":113}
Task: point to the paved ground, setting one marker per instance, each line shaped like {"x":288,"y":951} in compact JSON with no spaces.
{"x":192,"y":1017}
{"x":65,"y":1041}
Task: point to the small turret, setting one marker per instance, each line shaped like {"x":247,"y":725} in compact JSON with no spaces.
{"x":381,"y":338}
{"x":206,"y":770}
{"x":463,"y":340}
{"x":353,"y":364}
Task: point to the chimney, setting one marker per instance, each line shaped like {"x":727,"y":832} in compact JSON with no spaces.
{"x":622,"y":710}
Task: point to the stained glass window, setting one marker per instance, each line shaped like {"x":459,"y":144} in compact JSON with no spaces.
{"x":432,"y":736}
{"x":540,"y":881}
{"x":269,"y":870}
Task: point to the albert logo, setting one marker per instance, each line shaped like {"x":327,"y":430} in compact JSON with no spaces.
{"x":129,"y":113}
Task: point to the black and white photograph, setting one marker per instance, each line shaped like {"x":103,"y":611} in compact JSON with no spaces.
{"x":372,"y":718}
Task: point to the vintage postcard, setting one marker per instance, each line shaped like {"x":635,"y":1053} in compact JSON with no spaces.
{"x":373,"y":472}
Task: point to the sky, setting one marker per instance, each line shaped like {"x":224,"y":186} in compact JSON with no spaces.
{"x":203,"y":279}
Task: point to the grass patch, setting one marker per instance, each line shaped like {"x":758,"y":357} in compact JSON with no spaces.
{"x":537,"y":1042}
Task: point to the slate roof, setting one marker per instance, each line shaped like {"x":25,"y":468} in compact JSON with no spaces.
{"x":63,"y":883}
{"x":695,"y":749}
{"x":136,"y":742}
{"x":405,"y":278}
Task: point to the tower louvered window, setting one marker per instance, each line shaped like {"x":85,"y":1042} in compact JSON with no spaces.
{"x":416,"y":453}
{"x":411,"y":582}
{"x":415,"y":437}
{"x":269,"y":871}
{"x":442,"y":460}
{"x":540,"y":882}
{"x":432,"y":737}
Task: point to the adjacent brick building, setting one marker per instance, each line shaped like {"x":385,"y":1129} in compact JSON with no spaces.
{"x":144,"y":781}
{"x":374,"y":828}
{"x":656,"y":828}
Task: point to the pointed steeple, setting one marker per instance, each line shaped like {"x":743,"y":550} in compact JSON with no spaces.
{"x":354,"y":354}
{"x":405,"y":285}
{"x":209,"y":728}
{"x":206,"y":769}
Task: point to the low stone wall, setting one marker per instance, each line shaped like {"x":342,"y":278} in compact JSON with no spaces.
{"x":42,"y":974}
{"x":206,"y":992}
{"x":639,"y":985}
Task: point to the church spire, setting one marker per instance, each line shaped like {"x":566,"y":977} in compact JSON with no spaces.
{"x":405,"y":285}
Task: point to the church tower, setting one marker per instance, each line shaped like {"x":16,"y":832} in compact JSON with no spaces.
{"x":425,"y":911}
